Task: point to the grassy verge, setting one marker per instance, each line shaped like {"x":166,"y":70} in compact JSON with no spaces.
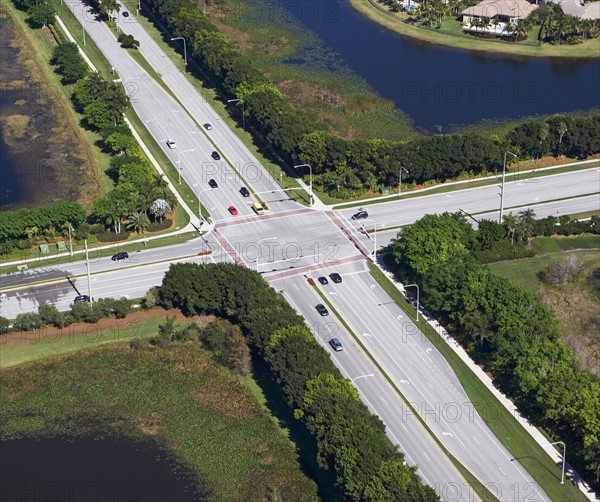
{"x":482,"y":491}
{"x":380,"y":15}
{"x":450,"y":186}
{"x":129,"y":246}
{"x":502,"y":423}
{"x":177,"y":396}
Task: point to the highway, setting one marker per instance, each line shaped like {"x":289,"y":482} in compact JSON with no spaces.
{"x":292,"y":243}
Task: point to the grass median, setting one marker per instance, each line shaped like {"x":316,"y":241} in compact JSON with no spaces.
{"x":502,"y":423}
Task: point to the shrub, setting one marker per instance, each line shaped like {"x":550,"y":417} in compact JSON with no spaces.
{"x":563,"y":271}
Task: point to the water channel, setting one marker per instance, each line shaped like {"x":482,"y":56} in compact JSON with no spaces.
{"x":441,"y":87}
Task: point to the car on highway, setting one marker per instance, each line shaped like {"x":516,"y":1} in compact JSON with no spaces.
{"x":265,"y":206}
{"x":82,"y":298}
{"x":215,"y":155}
{"x":335,"y":277}
{"x":120,"y":256}
{"x":361,"y":215}
{"x":257,"y":208}
{"x":212,"y":183}
{"x":207,"y":126}
{"x":323,"y":280}
{"x":245,"y":192}
{"x":336,"y":344}
{"x":125,"y":13}
{"x":232,"y":210}
{"x":171,"y":144}
{"x":321,"y":309}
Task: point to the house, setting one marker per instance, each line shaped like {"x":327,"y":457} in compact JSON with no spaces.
{"x":578,"y":9}
{"x":499,"y":14}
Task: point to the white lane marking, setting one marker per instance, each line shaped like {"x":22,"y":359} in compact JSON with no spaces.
{"x":475,"y":439}
{"x":384,"y":401}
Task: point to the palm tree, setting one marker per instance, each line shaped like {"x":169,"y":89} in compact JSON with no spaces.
{"x":526,"y":219}
{"x":561,"y":130}
{"x":116,"y":101}
{"x":160,"y":187}
{"x":511,"y":223}
{"x":159,"y":208}
{"x":138,"y":222}
{"x":543,"y":135}
{"x":96,"y":85}
{"x":108,"y":6}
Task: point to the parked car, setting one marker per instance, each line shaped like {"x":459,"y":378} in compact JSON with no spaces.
{"x":120,"y":256}
{"x":215,"y":155}
{"x":171,"y":144}
{"x":323,"y":280}
{"x":207,"y":126}
{"x":245,"y":192}
{"x":336,"y":344}
{"x":321,"y":309}
{"x":82,"y":298}
{"x":361,"y":215}
{"x":335,"y":277}
{"x":232,"y":210}
{"x":212,"y":183}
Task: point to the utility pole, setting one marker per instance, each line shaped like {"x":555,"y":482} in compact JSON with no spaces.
{"x":87,"y":266}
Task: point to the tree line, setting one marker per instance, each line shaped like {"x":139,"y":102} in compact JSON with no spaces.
{"x":348,"y":167}
{"x":505,"y":328}
{"x":351,"y":442}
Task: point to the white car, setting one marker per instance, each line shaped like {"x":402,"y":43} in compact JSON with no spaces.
{"x":171,"y":144}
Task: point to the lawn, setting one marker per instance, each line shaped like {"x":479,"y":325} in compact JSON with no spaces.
{"x":526,"y":272}
{"x":20,"y":348}
{"x":504,"y":425}
{"x":380,"y":15}
{"x":176,"y":396}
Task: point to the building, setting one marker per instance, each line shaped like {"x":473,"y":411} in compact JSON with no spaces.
{"x":499,"y":14}
{"x":578,"y":9}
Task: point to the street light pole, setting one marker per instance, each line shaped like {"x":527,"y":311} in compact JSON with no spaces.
{"x":87,"y":265}
{"x":374,"y":237}
{"x":502,"y":189}
{"x":243,"y":113}
{"x":409,"y":286}
{"x":258,"y":248}
{"x":70,"y":240}
{"x":310,"y":182}
{"x":184,"y":49}
{"x":402,"y":168}
{"x":562,"y":479}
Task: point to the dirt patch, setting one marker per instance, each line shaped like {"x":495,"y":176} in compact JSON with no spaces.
{"x":307,"y":94}
{"x":101,"y":325}
{"x":577,"y":310}
{"x":14,"y":126}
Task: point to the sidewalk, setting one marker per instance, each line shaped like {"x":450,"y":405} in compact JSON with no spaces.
{"x":556,"y":456}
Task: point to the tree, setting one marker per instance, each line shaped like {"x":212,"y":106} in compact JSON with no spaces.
{"x":138,"y":223}
{"x":41,"y":14}
{"x":128,"y":42}
{"x":562,"y":129}
{"x":118,"y":142}
{"x":108,"y":6}
{"x":159,"y":208}
{"x":526,"y":221}
{"x":511,"y":223}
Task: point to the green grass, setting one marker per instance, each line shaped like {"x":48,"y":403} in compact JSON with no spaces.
{"x":525,"y":272}
{"x":18,"y":349}
{"x":178,"y":397}
{"x":502,"y":423}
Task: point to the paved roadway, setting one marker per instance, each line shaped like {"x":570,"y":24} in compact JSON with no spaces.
{"x":309,"y":241}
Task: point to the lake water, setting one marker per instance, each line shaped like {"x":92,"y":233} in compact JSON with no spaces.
{"x":441,"y":87}
{"x":111,"y":470}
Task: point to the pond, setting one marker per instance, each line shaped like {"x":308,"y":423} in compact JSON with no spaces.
{"x":92,"y":470}
{"x":441,"y":87}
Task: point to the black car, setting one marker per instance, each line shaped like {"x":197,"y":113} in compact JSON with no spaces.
{"x":215,"y":155}
{"x":82,"y":298}
{"x":125,"y":13}
{"x":245,"y":192}
{"x":120,"y":256}
{"x":323,"y":280}
{"x":336,"y":344}
{"x":321,"y":309}
{"x":335,"y":277}
{"x":361,"y":215}
{"x":212,"y":183}
{"x":208,"y":127}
